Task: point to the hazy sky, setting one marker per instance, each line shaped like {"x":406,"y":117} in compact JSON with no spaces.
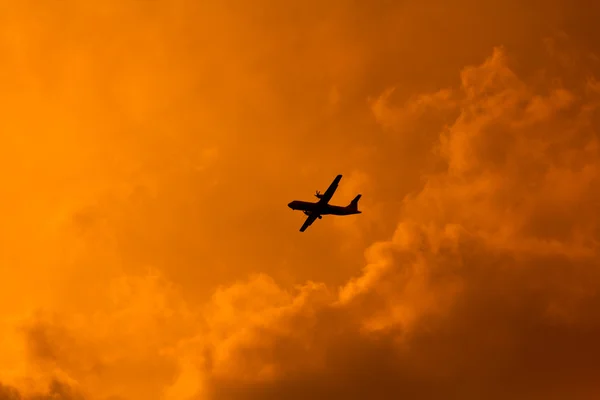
{"x":148,"y":150}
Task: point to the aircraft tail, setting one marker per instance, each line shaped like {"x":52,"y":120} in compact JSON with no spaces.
{"x":354,"y":203}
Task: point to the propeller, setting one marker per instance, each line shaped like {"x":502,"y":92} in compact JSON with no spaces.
{"x":318,"y":195}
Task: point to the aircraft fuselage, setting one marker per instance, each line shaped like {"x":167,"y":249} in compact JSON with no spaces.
{"x":321,"y":209}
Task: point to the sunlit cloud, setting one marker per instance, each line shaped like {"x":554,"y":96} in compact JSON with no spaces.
{"x":148,"y":154}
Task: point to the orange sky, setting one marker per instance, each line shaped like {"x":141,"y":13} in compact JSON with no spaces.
{"x":148,"y":150}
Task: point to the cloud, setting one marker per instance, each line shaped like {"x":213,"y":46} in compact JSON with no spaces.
{"x":414,"y":109}
{"x":149,"y":151}
{"x":127,"y":348}
{"x":57,"y":390}
{"x":487,"y":289}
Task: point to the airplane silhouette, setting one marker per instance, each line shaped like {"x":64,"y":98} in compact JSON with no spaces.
{"x":322,"y":207}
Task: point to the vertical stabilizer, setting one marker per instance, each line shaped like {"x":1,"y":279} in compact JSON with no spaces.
{"x":354,"y":203}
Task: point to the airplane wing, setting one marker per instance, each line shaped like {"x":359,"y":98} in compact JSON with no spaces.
{"x":330,"y":190}
{"x":311,"y":218}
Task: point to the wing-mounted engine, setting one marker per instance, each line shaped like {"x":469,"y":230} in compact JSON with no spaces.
{"x":318,"y":195}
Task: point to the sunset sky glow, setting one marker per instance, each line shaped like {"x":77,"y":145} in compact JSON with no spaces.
{"x":149,"y":149}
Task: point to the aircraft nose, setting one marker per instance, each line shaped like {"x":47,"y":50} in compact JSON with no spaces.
{"x":290,"y":205}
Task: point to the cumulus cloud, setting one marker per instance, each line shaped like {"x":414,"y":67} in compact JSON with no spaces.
{"x":57,"y":390}
{"x":488,"y":288}
{"x":126,"y":348}
{"x":168,"y":135}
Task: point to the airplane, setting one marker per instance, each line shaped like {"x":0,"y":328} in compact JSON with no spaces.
{"x":322,"y":207}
